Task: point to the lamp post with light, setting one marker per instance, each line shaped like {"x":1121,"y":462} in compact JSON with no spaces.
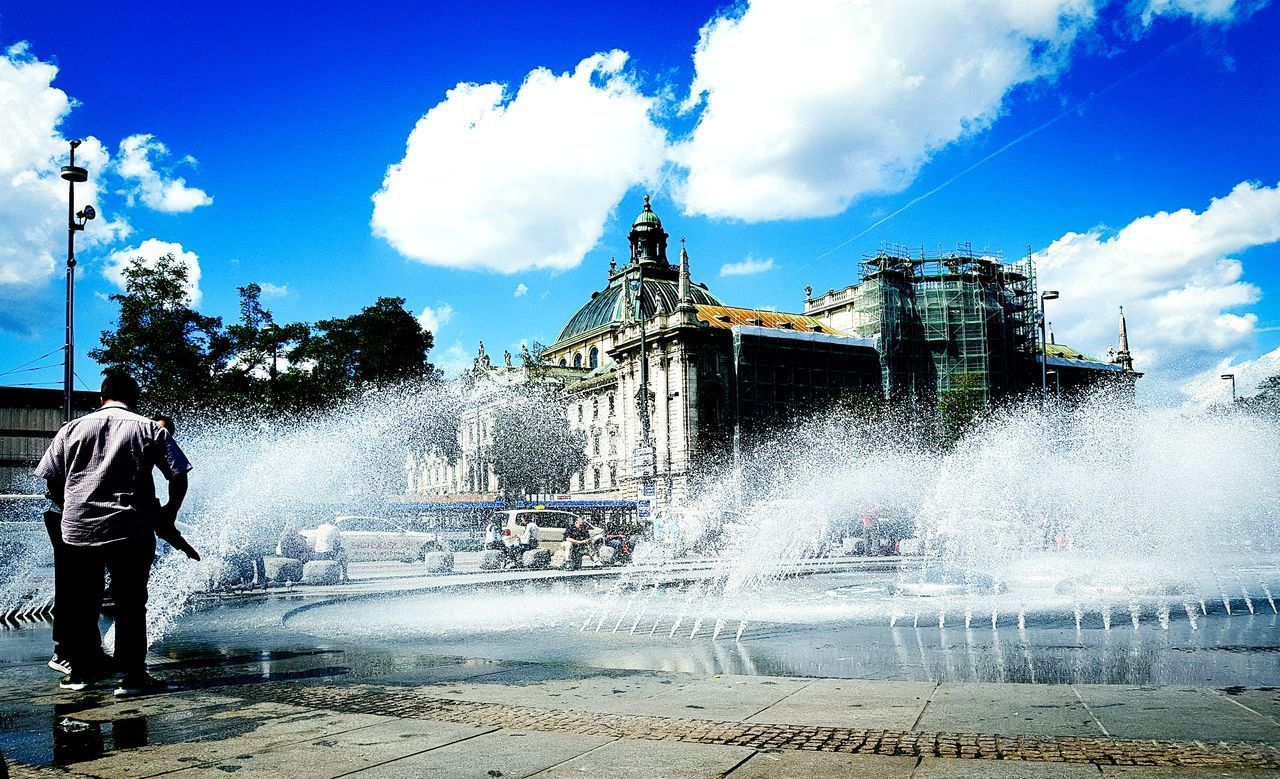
{"x":72,"y":174}
{"x":1049,"y":294}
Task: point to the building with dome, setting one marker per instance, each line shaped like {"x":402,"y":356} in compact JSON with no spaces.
{"x":667,"y":382}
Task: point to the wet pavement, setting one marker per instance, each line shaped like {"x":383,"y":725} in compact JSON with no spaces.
{"x":298,"y":685}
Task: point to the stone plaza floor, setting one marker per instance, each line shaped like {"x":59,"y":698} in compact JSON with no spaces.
{"x":334,"y":712}
{"x":258,"y":696}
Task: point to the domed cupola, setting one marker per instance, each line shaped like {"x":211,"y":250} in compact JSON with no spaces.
{"x":648,"y":241}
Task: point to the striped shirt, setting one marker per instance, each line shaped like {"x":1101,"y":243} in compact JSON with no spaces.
{"x":104,"y":461}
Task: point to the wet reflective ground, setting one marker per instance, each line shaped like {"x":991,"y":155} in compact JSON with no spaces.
{"x":559,"y":623}
{"x":524,"y":632}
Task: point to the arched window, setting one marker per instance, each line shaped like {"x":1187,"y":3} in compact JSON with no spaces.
{"x":563,"y":362}
{"x":577,"y":360}
{"x":595,"y":357}
{"x":595,"y":472}
{"x":595,"y":408}
{"x":580,"y":407}
{"x":610,"y":404}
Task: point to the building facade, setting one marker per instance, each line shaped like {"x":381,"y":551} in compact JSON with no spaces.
{"x":666,"y":381}
{"x":29,"y":418}
{"x":663,"y":379}
{"x":960,"y":319}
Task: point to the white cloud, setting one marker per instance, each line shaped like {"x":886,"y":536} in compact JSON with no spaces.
{"x":33,"y":204}
{"x":748,"y":267}
{"x":151,"y":250}
{"x":521,"y":290}
{"x":501,"y":183}
{"x":432,"y":319}
{"x":1200,"y":10}
{"x":136,"y":163}
{"x":270,"y":290}
{"x":1183,"y":293}
{"x":1209,"y":387}
{"x":809,"y":105}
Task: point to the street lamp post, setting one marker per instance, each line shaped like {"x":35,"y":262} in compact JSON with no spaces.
{"x":1232,"y":377}
{"x":1049,"y":294}
{"x":72,"y":174}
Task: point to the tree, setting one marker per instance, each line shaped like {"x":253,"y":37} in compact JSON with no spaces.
{"x":532,"y":448}
{"x":263,"y":373}
{"x":960,"y":405}
{"x":1267,"y":399}
{"x":382,"y":343}
{"x":175,"y":352}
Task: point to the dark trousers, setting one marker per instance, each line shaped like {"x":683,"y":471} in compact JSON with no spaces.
{"x":129,"y":562}
{"x":64,"y":581}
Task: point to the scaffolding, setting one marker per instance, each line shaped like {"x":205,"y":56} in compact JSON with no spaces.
{"x":940,"y":316}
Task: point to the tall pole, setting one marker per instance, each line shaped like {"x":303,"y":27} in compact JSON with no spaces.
{"x":69,"y":355}
{"x":72,"y":174}
{"x":1044,"y":354}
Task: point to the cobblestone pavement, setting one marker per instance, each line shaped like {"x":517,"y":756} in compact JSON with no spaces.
{"x":420,"y":704}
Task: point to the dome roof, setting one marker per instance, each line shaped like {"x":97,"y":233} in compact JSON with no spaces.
{"x":658,"y":296}
{"x":647,"y":220}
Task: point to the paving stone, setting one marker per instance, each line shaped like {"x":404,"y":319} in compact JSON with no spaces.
{"x":1150,"y":772}
{"x":186,"y":739}
{"x":593,"y":693}
{"x":722,"y":698}
{"x":951,"y":768}
{"x":1190,"y":713}
{"x":1096,"y":750}
{"x":1025,"y":709}
{"x":503,"y":753}
{"x":852,"y":703}
{"x":625,"y":759}
{"x":766,"y":764}
{"x":1264,"y":700}
{"x":341,"y":753}
{"x":107,"y":709}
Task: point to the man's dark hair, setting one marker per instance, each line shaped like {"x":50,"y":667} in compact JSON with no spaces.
{"x":117,"y":385}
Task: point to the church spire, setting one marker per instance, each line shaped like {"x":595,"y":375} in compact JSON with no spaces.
{"x":685,"y":300}
{"x":1123,"y":357}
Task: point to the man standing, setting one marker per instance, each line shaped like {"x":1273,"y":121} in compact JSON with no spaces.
{"x":98,"y":470}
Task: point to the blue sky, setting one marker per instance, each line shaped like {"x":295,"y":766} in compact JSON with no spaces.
{"x":1101,"y":134}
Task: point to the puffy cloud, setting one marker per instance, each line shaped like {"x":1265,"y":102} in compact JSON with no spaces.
{"x":1183,"y":293}
{"x":270,"y":290}
{"x":522,"y":289}
{"x":151,"y":250}
{"x":33,"y":200}
{"x":135,"y":163}
{"x":748,"y":267}
{"x":809,"y":105}
{"x":501,"y":183}
{"x":432,"y":319}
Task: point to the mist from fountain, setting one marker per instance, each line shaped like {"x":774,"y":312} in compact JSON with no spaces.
{"x":1038,"y":510}
{"x":1089,"y":513}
